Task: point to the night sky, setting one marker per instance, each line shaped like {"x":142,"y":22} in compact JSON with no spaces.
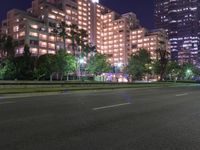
{"x":143,"y":8}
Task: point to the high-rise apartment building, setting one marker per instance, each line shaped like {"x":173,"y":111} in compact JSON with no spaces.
{"x":115,"y":35}
{"x":150,"y":40}
{"x":35,"y":27}
{"x":181,"y":20}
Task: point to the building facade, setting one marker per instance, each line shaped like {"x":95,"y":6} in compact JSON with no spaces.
{"x":115,"y":35}
{"x":181,"y":20}
{"x":150,"y":40}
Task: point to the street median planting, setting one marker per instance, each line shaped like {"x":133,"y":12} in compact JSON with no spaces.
{"x":63,"y":87}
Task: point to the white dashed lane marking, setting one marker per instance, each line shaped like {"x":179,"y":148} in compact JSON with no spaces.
{"x":111,"y":106}
{"x":183,"y":94}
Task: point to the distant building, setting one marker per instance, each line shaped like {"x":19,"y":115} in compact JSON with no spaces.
{"x":115,"y":35}
{"x":150,"y":40}
{"x":181,"y":20}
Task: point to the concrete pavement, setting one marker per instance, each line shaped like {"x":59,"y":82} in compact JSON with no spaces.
{"x":127,"y":119}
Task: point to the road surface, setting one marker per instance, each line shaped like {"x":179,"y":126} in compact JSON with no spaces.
{"x":127,"y":119}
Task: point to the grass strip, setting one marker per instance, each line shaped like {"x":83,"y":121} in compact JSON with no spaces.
{"x":80,"y":88}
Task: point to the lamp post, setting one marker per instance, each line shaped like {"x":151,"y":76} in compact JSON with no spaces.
{"x":81,"y":61}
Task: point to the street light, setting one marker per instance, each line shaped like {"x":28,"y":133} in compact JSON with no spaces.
{"x":188,"y":73}
{"x":119,"y":65}
{"x":149,"y":72}
{"x":80,"y":62}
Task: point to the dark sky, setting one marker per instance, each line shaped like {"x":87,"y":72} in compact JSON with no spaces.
{"x":143,"y":8}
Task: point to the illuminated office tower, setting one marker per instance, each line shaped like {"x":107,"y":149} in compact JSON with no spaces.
{"x":181,"y":20}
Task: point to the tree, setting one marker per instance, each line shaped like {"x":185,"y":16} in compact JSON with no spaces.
{"x":9,"y":46}
{"x":78,"y":38}
{"x":46,"y":66}
{"x":188,"y":71}
{"x":61,"y":31}
{"x":98,"y":64}
{"x":25,"y":65}
{"x":88,"y":49}
{"x":66,"y":63}
{"x":82,"y":39}
{"x":173,"y":70}
{"x":7,"y":70}
{"x":163,"y":59}
{"x":74,"y":37}
{"x":2,"y":42}
{"x":138,"y":64}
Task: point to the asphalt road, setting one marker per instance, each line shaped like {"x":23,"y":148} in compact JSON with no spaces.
{"x":148,"y":119}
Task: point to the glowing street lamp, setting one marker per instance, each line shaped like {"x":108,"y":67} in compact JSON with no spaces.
{"x":189,"y":71}
{"x":119,"y":65}
{"x":81,"y":61}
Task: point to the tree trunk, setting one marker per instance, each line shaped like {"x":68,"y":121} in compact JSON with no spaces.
{"x":67,"y":77}
{"x":64,"y":43}
{"x":51,"y":77}
{"x":73,"y":48}
{"x":61,"y":77}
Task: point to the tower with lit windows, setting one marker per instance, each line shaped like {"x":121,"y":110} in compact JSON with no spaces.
{"x":181,"y":20}
{"x":95,"y":1}
{"x":115,"y":35}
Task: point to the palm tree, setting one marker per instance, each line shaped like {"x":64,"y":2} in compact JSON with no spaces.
{"x":61,"y":31}
{"x":83,"y":35}
{"x":74,"y":37}
{"x":89,"y":48}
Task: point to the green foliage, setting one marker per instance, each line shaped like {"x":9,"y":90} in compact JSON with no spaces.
{"x":9,"y":45}
{"x":163,"y":59}
{"x":173,"y":70}
{"x":98,"y":64}
{"x":139,"y":64}
{"x":188,"y":71}
{"x":46,"y":66}
{"x":66,"y":63}
{"x":7,"y":70}
{"x":25,"y":65}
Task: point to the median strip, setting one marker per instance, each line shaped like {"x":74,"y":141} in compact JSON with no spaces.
{"x":111,"y":106}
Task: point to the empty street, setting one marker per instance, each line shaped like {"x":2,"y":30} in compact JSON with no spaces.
{"x":127,"y":119}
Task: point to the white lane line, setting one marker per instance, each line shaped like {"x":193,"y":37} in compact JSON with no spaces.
{"x":184,"y":94}
{"x":2,"y":103}
{"x":111,"y":106}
